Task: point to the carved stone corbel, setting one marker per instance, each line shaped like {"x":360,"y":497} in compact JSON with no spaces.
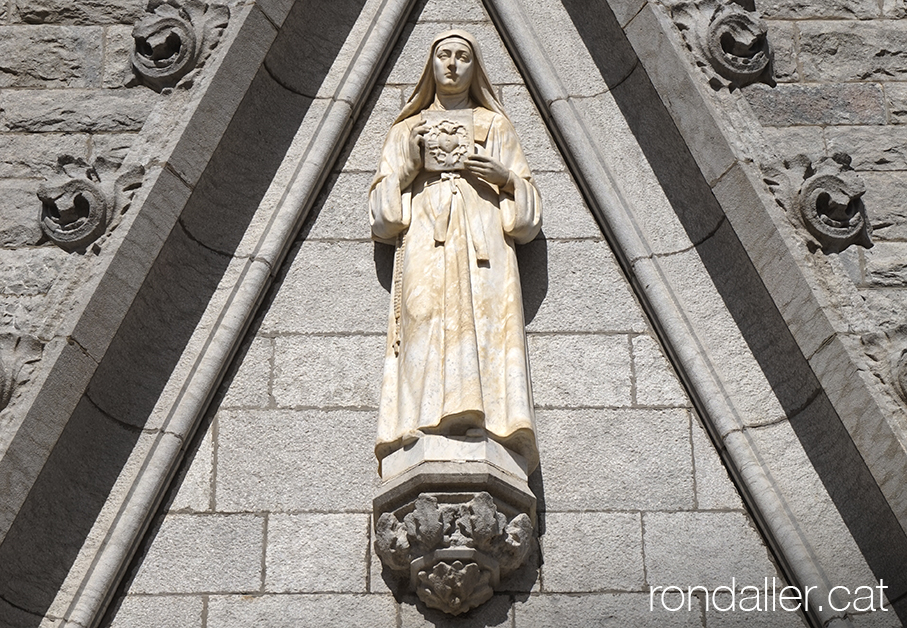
{"x":825,"y":198}
{"x":16,"y":354}
{"x":728,"y":39}
{"x":454,"y":553}
{"x":454,"y":517}
{"x":85,"y":201}
{"x":174,"y":39}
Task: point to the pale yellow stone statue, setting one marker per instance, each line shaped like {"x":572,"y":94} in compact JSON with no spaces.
{"x":454,"y":193}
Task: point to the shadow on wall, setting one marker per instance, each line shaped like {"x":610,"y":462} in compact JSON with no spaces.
{"x":64,"y":503}
{"x":819,"y":429}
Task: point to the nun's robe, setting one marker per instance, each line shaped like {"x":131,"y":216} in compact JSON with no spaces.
{"x":456,"y":353}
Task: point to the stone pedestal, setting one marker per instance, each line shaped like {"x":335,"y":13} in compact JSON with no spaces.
{"x":455,"y":514}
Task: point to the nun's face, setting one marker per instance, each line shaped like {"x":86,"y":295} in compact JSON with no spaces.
{"x":453,"y":66}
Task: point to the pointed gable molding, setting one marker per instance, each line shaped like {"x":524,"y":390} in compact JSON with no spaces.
{"x":141,"y":289}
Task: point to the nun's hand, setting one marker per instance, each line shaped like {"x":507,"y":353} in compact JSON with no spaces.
{"x":489,"y":169}
{"x":414,"y":163}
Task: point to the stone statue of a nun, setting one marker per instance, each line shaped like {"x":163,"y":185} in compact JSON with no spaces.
{"x":453,"y":193}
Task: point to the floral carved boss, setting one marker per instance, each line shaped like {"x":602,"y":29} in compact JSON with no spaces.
{"x":174,"y":39}
{"x":456,"y":427}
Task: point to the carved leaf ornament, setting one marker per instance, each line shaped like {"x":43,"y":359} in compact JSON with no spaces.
{"x":74,"y":213}
{"x":454,"y":553}
{"x":85,"y":201}
{"x":729,"y":40}
{"x":831,"y":205}
{"x":175,"y":39}
{"x":737,"y":44}
{"x":826,"y":198}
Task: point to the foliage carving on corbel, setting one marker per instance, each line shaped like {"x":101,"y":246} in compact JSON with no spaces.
{"x":85,"y":201}
{"x":728,"y":39}
{"x":825,"y":198}
{"x":174,"y":40}
{"x":454,"y":553}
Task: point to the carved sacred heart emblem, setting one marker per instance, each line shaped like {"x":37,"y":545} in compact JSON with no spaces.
{"x":448,"y":140}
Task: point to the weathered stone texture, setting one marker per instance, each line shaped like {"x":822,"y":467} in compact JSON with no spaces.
{"x":195,"y":492}
{"x":30,"y":273}
{"x":630,"y":459}
{"x":330,"y":287}
{"x":894,"y":8}
{"x":568,"y":370}
{"x":871,"y":148}
{"x":787,"y":141}
{"x":118,"y":46}
{"x":171,"y":611}
{"x":534,"y":138}
{"x":370,"y":131}
{"x":341,"y":213}
{"x":817,"y":104}
{"x":317,"y":553}
{"x":463,"y":10}
{"x":783,"y":39}
{"x":307,"y":452}
{"x":566,"y":215}
{"x":35,"y":156}
{"x":713,"y":490}
{"x":884,"y":199}
{"x":294,"y":611}
{"x":328,"y":371}
{"x":112,"y":146}
{"x":606,"y":609}
{"x":886,"y":264}
{"x":251,"y":385}
{"x":496,"y":613}
{"x":203,"y":553}
{"x":812,"y":9}
{"x":656,"y":382}
{"x":833,"y":51}
{"x":50,"y":56}
{"x":677,"y":550}
{"x":19,"y":213}
{"x":48,"y":111}
{"x":575,"y":286}
{"x":896,"y":97}
{"x":80,"y":12}
{"x":592,"y":552}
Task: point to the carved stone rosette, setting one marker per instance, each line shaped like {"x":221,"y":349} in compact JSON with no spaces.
{"x":84,"y":201}
{"x":827,"y":197}
{"x":455,"y":553}
{"x":454,"y":518}
{"x":174,"y":39}
{"x":728,"y":38}
{"x":17,"y":354}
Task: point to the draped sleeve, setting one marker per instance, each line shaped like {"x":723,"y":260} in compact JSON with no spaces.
{"x":390,"y":206}
{"x":521,"y":210}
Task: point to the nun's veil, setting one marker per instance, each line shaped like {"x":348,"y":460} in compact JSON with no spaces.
{"x":480,"y":91}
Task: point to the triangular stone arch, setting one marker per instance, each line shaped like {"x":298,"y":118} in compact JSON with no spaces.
{"x":109,"y":443}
